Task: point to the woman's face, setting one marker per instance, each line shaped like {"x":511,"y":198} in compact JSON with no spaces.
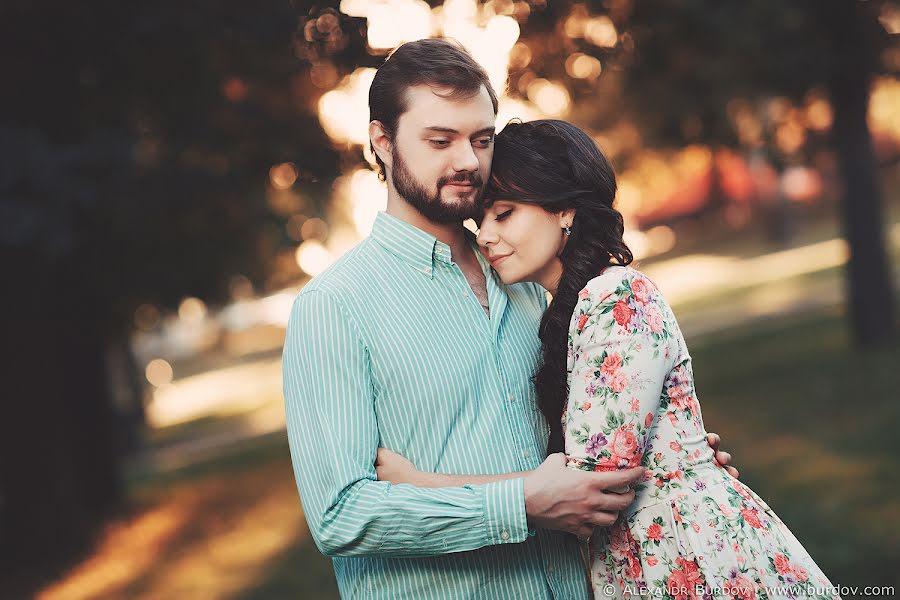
{"x":522,"y":241}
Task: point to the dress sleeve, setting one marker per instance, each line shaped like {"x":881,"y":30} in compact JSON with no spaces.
{"x":620,"y":344}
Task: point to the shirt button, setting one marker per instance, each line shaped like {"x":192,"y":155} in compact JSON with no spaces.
{"x":526,"y":454}
{"x":504,"y":535}
{"x":465,"y":294}
{"x":512,"y":398}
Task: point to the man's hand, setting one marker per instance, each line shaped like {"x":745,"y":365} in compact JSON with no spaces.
{"x":557,"y":497}
{"x":722,"y":457}
{"x":390,"y":466}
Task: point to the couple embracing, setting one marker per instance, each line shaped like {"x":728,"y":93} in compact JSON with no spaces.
{"x":452,"y":435}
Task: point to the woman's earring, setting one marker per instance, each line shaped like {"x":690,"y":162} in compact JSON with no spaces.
{"x":568,"y":229}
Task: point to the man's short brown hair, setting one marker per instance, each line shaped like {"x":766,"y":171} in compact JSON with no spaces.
{"x":438,"y":62}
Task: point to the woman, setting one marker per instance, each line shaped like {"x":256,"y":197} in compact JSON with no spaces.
{"x":616,"y":386}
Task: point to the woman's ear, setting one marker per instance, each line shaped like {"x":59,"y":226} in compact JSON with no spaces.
{"x":566,"y":218}
{"x":381,"y":142}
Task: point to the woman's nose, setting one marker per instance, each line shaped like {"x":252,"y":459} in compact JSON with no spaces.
{"x":486,"y":235}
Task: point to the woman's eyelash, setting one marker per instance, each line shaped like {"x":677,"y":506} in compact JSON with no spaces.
{"x":503,"y":215}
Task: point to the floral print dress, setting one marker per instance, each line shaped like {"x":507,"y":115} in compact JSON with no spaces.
{"x":693,"y":531}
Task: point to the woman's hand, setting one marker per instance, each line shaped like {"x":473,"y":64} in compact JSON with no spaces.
{"x":390,"y":466}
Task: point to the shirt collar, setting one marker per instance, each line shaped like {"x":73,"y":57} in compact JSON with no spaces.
{"x":409,"y":243}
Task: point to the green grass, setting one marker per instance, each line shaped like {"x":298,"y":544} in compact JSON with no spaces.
{"x":811,"y":422}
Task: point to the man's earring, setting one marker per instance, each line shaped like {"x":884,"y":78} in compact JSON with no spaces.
{"x":568,"y":229}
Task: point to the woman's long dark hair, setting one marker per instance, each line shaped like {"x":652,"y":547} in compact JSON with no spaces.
{"x":557,"y":166}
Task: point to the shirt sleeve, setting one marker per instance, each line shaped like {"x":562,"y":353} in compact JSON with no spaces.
{"x":333,"y":436}
{"x":621,"y":356}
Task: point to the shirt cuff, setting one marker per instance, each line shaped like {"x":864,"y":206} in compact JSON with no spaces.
{"x":504,"y":512}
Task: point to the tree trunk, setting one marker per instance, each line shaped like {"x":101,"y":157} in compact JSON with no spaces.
{"x":869,"y":283}
{"x":59,"y":474}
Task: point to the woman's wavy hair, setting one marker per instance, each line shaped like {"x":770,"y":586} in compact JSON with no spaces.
{"x":557,"y":166}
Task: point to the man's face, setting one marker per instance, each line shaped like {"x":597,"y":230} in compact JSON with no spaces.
{"x":441,"y":153}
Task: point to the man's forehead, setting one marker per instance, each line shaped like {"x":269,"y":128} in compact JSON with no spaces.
{"x":431,"y":107}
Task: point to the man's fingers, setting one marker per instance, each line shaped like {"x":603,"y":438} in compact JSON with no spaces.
{"x":612,"y":502}
{"x":724,"y":458}
{"x":614,"y":480}
{"x":733,"y":472}
{"x":557,"y":459}
{"x":713,"y":440}
{"x":605,"y":518}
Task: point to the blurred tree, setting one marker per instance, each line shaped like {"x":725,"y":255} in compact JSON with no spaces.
{"x":136,"y":141}
{"x":693,"y":59}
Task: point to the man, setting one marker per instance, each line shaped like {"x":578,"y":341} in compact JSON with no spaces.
{"x":408,"y":342}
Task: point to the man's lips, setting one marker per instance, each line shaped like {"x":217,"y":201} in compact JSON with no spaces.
{"x":495,"y":260}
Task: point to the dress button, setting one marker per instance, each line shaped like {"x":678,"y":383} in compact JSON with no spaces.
{"x":504,"y":535}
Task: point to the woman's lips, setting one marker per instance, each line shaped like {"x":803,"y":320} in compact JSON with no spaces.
{"x":496,"y":260}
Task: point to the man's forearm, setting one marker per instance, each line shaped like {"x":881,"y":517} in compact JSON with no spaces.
{"x":379,"y":518}
{"x":441,"y":480}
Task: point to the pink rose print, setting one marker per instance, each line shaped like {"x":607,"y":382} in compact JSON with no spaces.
{"x":654,"y":319}
{"x":619,"y":381}
{"x":782,"y":564}
{"x":654,"y":532}
{"x":740,"y":490}
{"x":583,"y":294}
{"x":648,"y":420}
{"x":624,"y":446}
{"x":741,"y":588}
{"x":582,"y":321}
{"x":622,"y":313}
{"x":641,"y":290}
{"x":751,"y":517}
{"x":677,"y":585}
{"x":611,"y":363}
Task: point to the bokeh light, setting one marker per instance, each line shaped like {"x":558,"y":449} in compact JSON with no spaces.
{"x":192,"y":310}
{"x":313,"y":257}
{"x":158,"y":372}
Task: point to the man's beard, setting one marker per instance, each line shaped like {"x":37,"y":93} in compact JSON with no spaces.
{"x":431,"y":206}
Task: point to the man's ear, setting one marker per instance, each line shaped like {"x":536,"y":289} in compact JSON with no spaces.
{"x":381,"y":142}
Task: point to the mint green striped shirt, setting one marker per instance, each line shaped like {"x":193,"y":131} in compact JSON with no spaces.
{"x":389,"y":347}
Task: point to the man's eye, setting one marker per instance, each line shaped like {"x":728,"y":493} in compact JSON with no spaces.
{"x":439,"y":143}
{"x":485,"y":142}
{"x":503,"y":215}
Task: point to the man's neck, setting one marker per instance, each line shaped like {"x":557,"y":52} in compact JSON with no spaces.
{"x":452,"y":234}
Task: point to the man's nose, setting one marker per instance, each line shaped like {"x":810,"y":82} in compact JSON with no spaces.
{"x":465,"y":159}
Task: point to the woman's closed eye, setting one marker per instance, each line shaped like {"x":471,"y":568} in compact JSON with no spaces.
{"x":503,"y":215}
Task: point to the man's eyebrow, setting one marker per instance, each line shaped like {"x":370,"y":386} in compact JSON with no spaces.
{"x":438,"y":129}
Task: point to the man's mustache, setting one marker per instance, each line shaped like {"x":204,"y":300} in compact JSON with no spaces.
{"x":473,"y":179}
